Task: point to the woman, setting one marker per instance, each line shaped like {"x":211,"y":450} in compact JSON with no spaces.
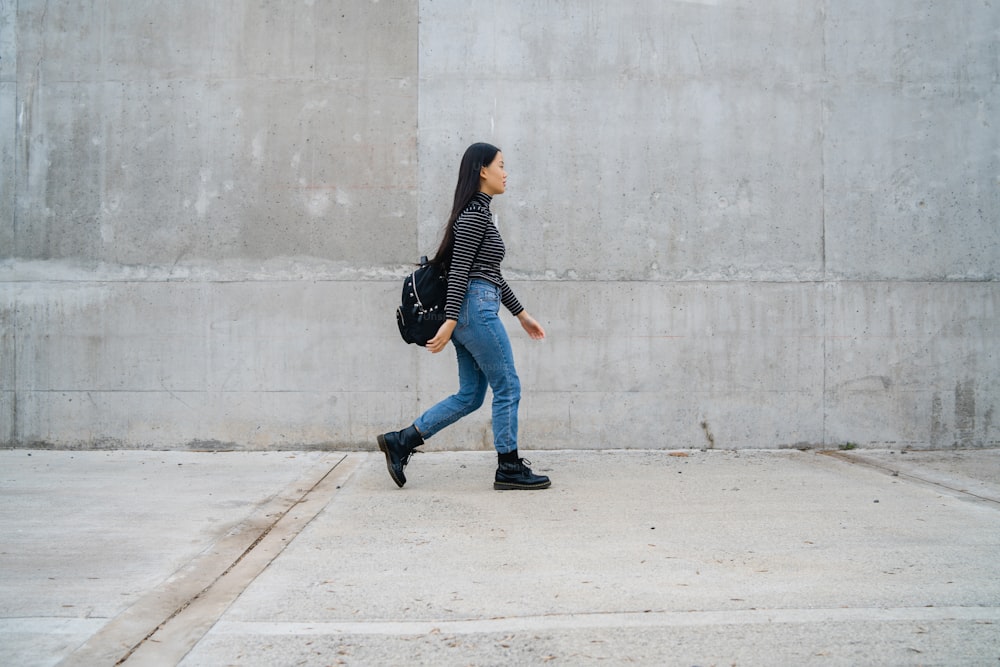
{"x":471,"y":251}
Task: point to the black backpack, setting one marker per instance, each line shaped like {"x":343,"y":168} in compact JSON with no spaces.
{"x":421,"y":312}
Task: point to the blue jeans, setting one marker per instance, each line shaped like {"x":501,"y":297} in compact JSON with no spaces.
{"x":484,"y":358}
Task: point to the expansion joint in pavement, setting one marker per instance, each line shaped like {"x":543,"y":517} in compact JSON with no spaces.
{"x":166,"y":623}
{"x":954,"y":485}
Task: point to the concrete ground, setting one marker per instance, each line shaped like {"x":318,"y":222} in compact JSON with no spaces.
{"x":632,"y":557}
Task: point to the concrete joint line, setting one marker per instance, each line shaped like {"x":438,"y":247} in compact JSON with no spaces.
{"x":163,"y":626}
{"x":622,"y":620}
{"x":926,"y":478}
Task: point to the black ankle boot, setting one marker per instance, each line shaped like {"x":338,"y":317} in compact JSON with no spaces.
{"x":398,"y":446}
{"x":518,"y":475}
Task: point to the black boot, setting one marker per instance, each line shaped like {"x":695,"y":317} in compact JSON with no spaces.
{"x":514,"y":473}
{"x":398,"y":446}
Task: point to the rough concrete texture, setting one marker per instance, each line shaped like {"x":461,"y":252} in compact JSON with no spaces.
{"x":648,"y":558}
{"x":743,"y":224}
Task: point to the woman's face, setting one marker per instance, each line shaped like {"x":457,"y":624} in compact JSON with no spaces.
{"x":493,"y":178}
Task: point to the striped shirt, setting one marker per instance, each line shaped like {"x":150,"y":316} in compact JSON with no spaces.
{"x":474,"y":230}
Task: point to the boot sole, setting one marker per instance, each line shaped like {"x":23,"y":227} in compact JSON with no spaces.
{"x":388,"y":462}
{"x":506,"y":486}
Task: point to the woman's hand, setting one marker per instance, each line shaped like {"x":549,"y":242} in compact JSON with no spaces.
{"x":529,"y":324}
{"x":441,"y":338}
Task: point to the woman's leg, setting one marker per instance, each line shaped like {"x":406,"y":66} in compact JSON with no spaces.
{"x":399,"y":445}
{"x":486,"y":339}
{"x":470,"y":395}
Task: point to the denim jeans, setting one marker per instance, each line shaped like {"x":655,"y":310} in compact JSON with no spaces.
{"x":484,"y":358}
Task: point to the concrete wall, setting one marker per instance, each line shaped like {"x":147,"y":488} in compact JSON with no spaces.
{"x":743,"y":224}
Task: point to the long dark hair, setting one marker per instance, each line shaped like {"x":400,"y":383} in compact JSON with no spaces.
{"x":476,"y":157}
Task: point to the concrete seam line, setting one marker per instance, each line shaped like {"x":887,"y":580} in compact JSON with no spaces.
{"x":137,"y":622}
{"x":624,"y":619}
{"x":174,"y":638}
{"x":860,"y":460}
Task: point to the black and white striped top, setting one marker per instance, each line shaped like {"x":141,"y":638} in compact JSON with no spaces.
{"x":473,"y":227}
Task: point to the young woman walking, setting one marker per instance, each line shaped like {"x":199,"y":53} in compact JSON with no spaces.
{"x":471,"y":251}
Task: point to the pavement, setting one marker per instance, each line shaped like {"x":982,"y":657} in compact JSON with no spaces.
{"x":777,"y":557}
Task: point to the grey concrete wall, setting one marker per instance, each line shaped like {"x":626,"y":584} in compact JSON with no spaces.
{"x":743,"y":224}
